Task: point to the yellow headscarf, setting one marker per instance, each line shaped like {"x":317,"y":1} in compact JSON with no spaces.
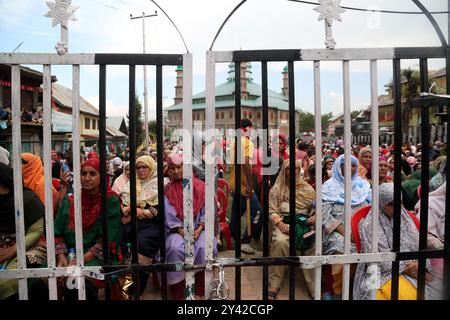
{"x":147,"y":190}
{"x":304,"y":193}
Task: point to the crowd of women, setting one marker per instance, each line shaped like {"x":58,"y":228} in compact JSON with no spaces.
{"x":118,"y":218}
{"x":149,"y":219}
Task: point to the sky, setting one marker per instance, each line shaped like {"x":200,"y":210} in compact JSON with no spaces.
{"x":104,"y":26}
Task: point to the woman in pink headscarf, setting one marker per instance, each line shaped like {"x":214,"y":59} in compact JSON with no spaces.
{"x":174,"y":226}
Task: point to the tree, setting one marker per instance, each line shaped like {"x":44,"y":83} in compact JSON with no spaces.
{"x":355,"y":113}
{"x":152,"y":127}
{"x":306,"y":122}
{"x":409,"y":92}
{"x":326,"y":118}
{"x":138,"y":123}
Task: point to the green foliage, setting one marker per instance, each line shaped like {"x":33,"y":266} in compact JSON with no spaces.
{"x":152,"y":128}
{"x":140,"y":133}
{"x":326,"y":118}
{"x":355,"y":113}
{"x":306,"y":123}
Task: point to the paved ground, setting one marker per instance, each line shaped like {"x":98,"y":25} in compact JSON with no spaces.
{"x":251,"y":282}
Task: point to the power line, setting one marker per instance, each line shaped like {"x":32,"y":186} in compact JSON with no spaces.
{"x":128,"y":3}
{"x":374,"y":10}
{"x":109,"y":6}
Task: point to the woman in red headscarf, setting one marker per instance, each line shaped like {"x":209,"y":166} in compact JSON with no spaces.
{"x":174,"y":213}
{"x":91,"y":224}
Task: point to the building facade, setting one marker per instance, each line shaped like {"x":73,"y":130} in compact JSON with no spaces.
{"x":251,"y":104}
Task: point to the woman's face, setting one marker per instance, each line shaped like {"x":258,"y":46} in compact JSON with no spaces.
{"x":287,"y":173}
{"x":383,"y":169}
{"x":126,"y":170}
{"x":366,"y":159}
{"x":281,"y":145}
{"x":143,"y":171}
{"x":391,"y":165}
{"x":90,"y":180}
{"x":389,"y":209}
{"x":329,"y":165}
{"x":176,"y":172}
{"x":354,"y":169}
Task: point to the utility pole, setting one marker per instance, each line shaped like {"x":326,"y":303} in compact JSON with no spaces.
{"x":145,"y":74}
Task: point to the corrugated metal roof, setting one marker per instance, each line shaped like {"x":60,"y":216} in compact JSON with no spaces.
{"x":61,"y":122}
{"x":437,"y":73}
{"x":63,"y":95}
{"x":114,"y":132}
{"x":116,"y":122}
{"x":339,"y":115}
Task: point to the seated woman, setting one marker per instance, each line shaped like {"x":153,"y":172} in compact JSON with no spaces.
{"x":327,"y":168}
{"x":33,"y":178}
{"x":148,"y":220}
{"x":333,"y":196}
{"x":365,"y":164}
{"x":34,"y":228}
{"x":383,"y":171}
{"x":409,"y":241}
{"x":436,"y":226}
{"x":279,"y":213}
{"x":173,"y":206}
{"x":122,"y":180}
{"x":92,"y":227}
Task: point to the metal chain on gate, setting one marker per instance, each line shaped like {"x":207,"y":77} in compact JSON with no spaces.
{"x":219,"y":289}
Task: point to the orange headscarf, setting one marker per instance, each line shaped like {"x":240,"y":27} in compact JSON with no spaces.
{"x":33,"y":177}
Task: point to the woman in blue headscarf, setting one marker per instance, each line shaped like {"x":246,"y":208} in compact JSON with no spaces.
{"x":333,"y":197}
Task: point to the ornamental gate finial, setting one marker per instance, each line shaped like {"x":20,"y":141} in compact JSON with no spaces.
{"x":329,"y":10}
{"x":62,"y":12}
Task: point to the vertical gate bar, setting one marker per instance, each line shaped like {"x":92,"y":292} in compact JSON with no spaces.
{"x":133,"y":204}
{"x":292,"y":188}
{"x":265,"y":148}
{"x":187,"y":174}
{"x":77,"y":179}
{"x":318,"y":134}
{"x":375,"y":158}
{"x":210,"y":161}
{"x":237,"y":174}
{"x":424,"y":181}
{"x":103,"y":172}
{"x":446,"y":283}
{"x":49,"y":225}
{"x":397,"y":173}
{"x":348,"y":177}
{"x":18,"y":184}
{"x":160,"y":165}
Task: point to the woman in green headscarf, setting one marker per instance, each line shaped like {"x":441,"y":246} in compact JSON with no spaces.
{"x":410,"y":187}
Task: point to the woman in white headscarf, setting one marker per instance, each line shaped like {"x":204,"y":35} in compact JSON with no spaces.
{"x":120,"y":183}
{"x":409,"y":241}
{"x":333,"y":197}
{"x":436,"y":226}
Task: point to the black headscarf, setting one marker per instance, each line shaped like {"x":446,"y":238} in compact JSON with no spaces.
{"x":33,"y":207}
